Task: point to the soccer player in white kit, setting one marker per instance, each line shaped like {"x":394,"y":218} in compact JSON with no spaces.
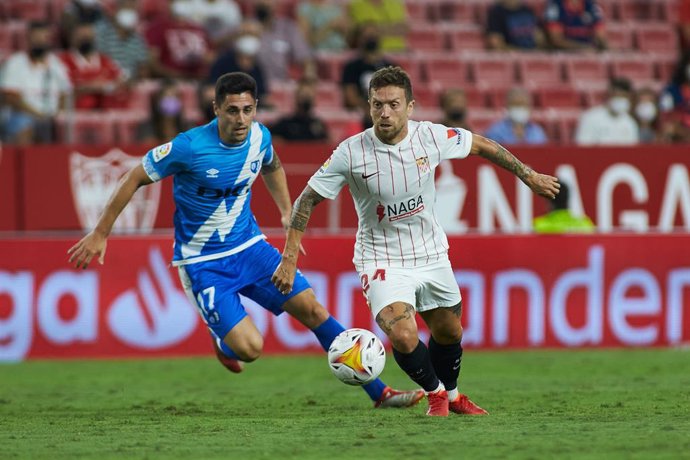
{"x":401,"y":252}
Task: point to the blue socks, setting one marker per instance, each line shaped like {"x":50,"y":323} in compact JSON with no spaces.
{"x":224,"y":348}
{"x":326,"y":333}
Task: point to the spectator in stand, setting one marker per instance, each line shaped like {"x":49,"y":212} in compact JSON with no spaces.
{"x":220,"y":18}
{"x":179,"y":47}
{"x":574,"y":25}
{"x":243,"y":58}
{"x":516,"y":128}
{"x":453,"y":103}
{"x":78,"y":12}
{"x":647,"y":115}
{"x":358,"y":71}
{"x":167,"y":118}
{"x":119,"y":38}
{"x":97,"y":80}
{"x":34,"y":85}
{"x":675,"y":103}
{"x":282,"y":44}
{"x":389,"y":15}
{"x":610,"y":123}
{"x":511,"y":24}
{"x":560,"y":219}
{"x":302,"y":124}
{"x":324,"y":24}
{"x":205,"y":95}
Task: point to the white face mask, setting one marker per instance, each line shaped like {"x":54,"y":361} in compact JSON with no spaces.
{"x":646,"y":111}
{"x":248,"y":45}
{"x":619,"y":105}
{"x":179,"y":9}
{"x":518,"y":114}
{"x":127,"y":18}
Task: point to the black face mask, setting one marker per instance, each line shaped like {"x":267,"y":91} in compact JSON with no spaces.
{"x":85,"y":47}
{"x":37,"y":52}
{"x":263,"y":13}
{"x":305,"y":105}
{"x":371,"y":44}
{"x":456,"y":114}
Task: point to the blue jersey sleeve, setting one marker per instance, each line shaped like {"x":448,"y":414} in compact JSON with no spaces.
{"x":266,"y":146}
{"x":168,"y":159}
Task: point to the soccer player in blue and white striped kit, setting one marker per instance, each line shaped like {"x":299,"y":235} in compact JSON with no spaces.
{"x":220,"y":251}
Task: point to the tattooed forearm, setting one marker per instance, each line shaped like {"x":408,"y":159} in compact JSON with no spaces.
{"x":387,"y":324}
{"x":274,"y":165}
{"x":301,"y":212}
{"x":497,"y":154}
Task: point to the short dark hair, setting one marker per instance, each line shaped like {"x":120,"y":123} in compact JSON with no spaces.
{"x":620,"y":83}
{"x":234,"y":83}
{"x":392,"y":76}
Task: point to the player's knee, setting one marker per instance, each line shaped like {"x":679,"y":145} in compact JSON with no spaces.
{"x":404,"y":339}
{"x":250,"y":350}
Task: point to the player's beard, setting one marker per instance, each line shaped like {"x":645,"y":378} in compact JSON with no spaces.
{"x":388,"y":135}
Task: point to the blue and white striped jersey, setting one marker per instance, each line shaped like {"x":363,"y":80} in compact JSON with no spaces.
{"x":212,"y":189}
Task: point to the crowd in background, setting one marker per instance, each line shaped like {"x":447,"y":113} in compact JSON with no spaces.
{"x":154,"y":57}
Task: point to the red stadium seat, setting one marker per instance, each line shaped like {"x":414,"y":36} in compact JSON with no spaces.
{"x":412,"y":63}
{"x":639,"y":69}
{"x":493,"y":69}
{"x":29,"y":10}
{"x":341,"y":124}
{"x":637,"y":10}
{"x":537,"y":70}
{"x":422,"y":11}
{"x":654,"y":38}
{"x":480,"y":120}
{"x":619,"y":36}
{"x":329,"y":65}
{"x":583,"y":70}
{"x":142,"y":92}
{"x":562,"y":97}
{"x":85,"y":127}
{"x":426,"y":37}
{"x":282,"y":94}
{"x":466,"y":37}
{"x":126,"y":124}
{"x":446,"y":70}
{"x":328,"y":96}
{"x":426,"y":96}
{"x":458,"y":11}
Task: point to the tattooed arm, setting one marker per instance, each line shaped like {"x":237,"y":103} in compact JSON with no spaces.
{"x":540,"y":184}
{"x":284,"y":275}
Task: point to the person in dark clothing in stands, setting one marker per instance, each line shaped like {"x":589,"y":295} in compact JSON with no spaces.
{"x":302,"y":124}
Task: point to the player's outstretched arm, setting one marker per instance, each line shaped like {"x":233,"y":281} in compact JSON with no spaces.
{"x":284,"y":275}
{"x":94,"y":243}
{"x":541,"y":184}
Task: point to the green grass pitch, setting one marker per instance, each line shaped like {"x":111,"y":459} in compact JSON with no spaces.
{"x":599,"y":404}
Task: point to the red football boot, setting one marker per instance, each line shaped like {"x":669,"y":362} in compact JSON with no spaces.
{"x":231,"y":364}
{"x":438,"y":403}
{"x":401,"y":399}
{"x":463,"y":405}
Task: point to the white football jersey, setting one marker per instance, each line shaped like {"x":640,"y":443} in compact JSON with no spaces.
{"x":394,"y":192}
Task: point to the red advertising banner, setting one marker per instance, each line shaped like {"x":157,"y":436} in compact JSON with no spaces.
{"x":9,"y":219}
{"x":518,"y":291}
{"x":633,"y":188}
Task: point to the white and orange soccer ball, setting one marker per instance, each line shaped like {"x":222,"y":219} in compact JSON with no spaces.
{"x":356,"y":356}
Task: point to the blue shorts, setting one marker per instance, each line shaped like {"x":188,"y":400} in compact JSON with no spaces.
{"x":214,"y":287}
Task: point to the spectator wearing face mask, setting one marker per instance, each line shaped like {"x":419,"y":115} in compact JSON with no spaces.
{"x":610,"y":123}
{"x":243,"y":57}
{"x":34,"y":86}
{"x":358,"y":71}
{"x":516,"y":128}
{"x":453,"y":103}
{"x":119,"y":38}
{"x":302,"y":124}
{"x":647,"y":115}
{"x":167,"y":118}
{"x":97,"y":79}
{"x":283,"y":46}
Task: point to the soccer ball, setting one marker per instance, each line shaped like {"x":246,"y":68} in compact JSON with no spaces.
{"x":356,"y":356}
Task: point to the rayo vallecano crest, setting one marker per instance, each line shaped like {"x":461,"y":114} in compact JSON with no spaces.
{"x":94,"y":179}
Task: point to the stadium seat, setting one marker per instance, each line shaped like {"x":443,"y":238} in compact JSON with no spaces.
{"x":637,"y":10}
{"x":422,"y":11}
{"x":341,"y":124}
{"x":619,"y":36}
{"x":582,"y":70}
{"x":85,"y":127}
{"x":329,"y":65}
{"x":656,"y":37}
{"x":639,"y":69}
{"x":426,"y":96}
{"x":29,"y":10}
{"x":537,"y":70}
{"x":492,"y":69}
{"x":466,"y":37}
{"x":142,"y":92}
{"x":412,"y":63}
{"x":561,"y":97}
{"x":426,"y":37}
{"x":126,"y":124}
{"x":458,"y":12}
{"x":446,"y":70}
{"x":592,"y":94}
{"x":282,"y":94}
{"x":480,"y":120}
{"x":328,"y":96}
{"x":189,"y":94}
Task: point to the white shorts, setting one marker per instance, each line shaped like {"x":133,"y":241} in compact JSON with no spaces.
{"x":425,"y":288}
